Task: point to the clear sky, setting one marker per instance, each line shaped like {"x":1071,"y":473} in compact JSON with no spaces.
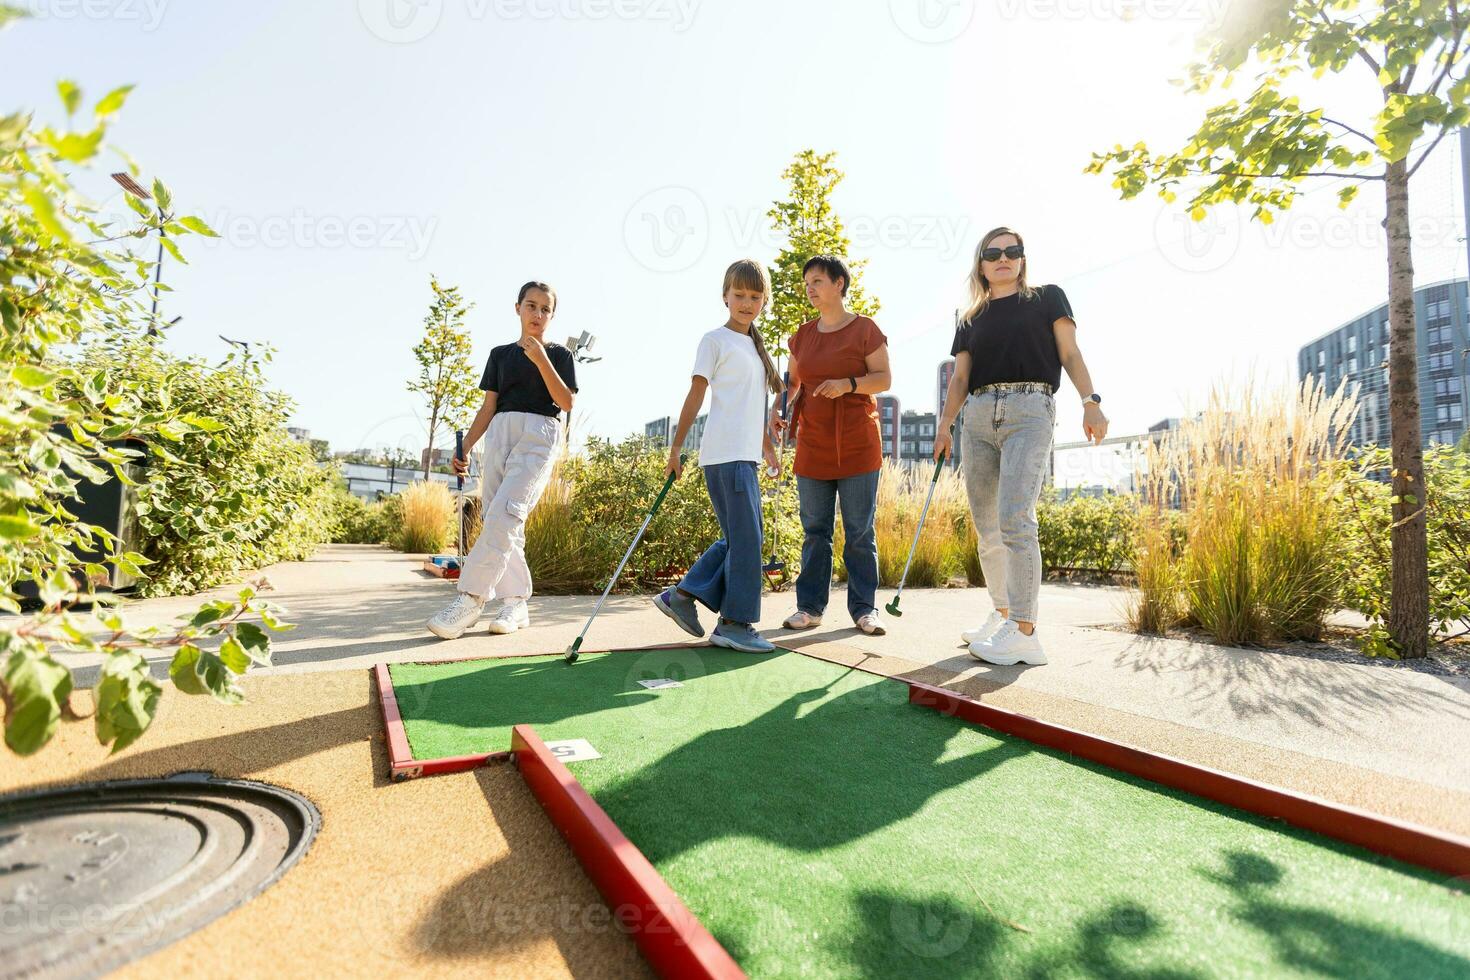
{"x":626,"y":151}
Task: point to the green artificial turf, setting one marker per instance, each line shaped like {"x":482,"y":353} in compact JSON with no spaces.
{"x":819,"y":825}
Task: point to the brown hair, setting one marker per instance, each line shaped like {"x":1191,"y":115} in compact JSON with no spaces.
{"x":533,"y":284}
{"x":980,"y":286}
{"x":750,"y":274}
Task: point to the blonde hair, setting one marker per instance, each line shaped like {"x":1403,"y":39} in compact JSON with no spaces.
{"x":980,"y":286}
{"x":750,"y":274}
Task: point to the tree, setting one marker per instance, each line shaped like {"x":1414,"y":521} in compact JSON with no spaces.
{"x":1263,"y":149}
{"x":446,"y":380}
{"x":64,"y":283}
{"x":811,"y":228}
{"x":1464,"y":444}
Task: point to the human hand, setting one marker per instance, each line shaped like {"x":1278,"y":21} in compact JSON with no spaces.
{"x":675,"y":465}
{"x":533,"y":347}
{"x":943,"y":442}
{"x":835,"y":388}
{"x":460,"y":466}
{"x":1094,"y":423}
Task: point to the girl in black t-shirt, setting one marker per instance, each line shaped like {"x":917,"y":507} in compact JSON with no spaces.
{"x":1010,"y":349}
{"x":527,"y":385}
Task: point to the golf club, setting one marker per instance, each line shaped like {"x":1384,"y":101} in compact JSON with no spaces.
{"x":774,"y":565}
{"x":459,"y":507}
{"x":892,"y":607}
{"x":572,"y":651}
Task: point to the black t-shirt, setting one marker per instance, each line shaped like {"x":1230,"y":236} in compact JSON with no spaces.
{"x":517,"y":382}
{"x":1012,"y":340}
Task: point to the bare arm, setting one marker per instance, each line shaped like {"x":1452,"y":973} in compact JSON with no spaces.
{"x":560,"y":393}
{"x":477,"y":429}
{"x":692,"y":402}
{"x":954,"y":402}
{"x":1094,"y":422}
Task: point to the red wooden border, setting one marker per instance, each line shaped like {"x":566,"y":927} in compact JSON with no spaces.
{"x":1396,"y":839}
{"x":642,"y":903}
{"x":401,"y":763}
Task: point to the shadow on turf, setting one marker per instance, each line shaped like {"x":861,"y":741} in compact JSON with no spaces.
{"x":1320,"y":941}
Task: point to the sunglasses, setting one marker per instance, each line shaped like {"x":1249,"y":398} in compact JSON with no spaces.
{"x":1010,"y":252}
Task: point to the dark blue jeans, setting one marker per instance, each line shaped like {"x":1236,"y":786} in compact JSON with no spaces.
{"x":859,"y":496}
{"x":727,"y":577}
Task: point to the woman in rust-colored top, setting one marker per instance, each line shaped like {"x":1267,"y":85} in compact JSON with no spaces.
{"x":839,"y":361}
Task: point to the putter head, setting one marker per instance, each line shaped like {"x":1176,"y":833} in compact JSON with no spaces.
{"x":892,"y":607}
{"x":773,"y":565}
{"x":571,"y":655}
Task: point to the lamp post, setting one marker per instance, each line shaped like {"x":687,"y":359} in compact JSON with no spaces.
{"x":131,"y":186}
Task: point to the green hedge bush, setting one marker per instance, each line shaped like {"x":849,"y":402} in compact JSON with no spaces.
{"x":231,"y":493}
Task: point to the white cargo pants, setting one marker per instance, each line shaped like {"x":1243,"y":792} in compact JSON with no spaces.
{"x":520,"y":449}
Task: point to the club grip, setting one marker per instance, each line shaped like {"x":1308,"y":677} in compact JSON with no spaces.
{"x":785,"y":389}
{"x":459,"y":454}
{"x":668,"y":482}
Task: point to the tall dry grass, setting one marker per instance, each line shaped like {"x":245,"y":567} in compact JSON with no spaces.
{"x":946,"y":550}
{"x":555,"y":547}
{"x":1255,"y":478}
{"x":427,"y":517}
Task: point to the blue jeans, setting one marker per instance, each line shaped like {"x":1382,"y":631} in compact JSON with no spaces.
{"x":859,"y":547}
{"x":727,"y":577}
{"x":1007,"y":445}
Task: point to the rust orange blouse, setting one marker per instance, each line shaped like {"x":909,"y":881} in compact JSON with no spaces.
{"x":835,"y":437}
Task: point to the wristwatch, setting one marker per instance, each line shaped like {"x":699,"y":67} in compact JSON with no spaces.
{"x":854,"y":382}
{"x":1092,"y":399}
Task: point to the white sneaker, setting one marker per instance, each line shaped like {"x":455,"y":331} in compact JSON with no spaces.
{"x":450,"y":622}
{"x":1009,"y":646}
{"x":984,"y":631}
{"x":511,"y":616}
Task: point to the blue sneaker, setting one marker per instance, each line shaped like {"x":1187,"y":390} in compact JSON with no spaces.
{"x":740,"y":636}
{"x":681,"y":609}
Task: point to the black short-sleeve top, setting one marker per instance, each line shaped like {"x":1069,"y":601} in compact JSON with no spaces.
{"x":1013,"y":339}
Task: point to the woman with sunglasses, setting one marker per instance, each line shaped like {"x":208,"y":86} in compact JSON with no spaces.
{"x":1009,"y":350}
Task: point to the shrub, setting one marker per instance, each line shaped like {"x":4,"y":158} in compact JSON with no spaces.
{"x":68,"y":279}
{"x":357,"y":521}
{"x":1087,"y":534}
{"x":1368,"y":573}
{"x":235,"y":492}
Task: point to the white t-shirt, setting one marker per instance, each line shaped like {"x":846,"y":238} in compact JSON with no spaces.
{"x":736,"y":425}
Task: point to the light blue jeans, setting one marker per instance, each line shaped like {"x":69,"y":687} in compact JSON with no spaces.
{"x":1007,"y":448}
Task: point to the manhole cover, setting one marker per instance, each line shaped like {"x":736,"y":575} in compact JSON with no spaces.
{"x":94,"y":876}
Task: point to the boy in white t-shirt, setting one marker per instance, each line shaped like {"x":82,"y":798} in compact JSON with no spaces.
{"x":732,"y":363}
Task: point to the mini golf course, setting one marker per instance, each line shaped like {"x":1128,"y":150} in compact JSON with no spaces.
{"x":818,"y":823}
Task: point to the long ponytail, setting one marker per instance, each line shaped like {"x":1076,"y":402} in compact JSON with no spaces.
{"x":750,"y":274}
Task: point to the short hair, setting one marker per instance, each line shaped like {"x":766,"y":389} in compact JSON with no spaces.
{"x":533,"y":284}
{"x":832,"y":267}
